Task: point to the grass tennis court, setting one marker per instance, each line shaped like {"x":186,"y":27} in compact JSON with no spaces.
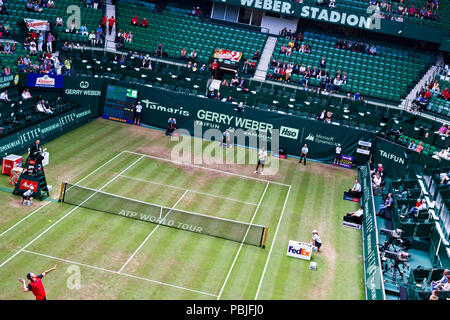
{"x":122,"y":258}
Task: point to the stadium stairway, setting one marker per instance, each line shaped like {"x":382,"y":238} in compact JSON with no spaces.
{"x":427,"y":77}
{"x":263,"y":65}
{"x":110,"y":39}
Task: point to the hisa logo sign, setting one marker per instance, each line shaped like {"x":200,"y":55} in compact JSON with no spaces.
{"x":288,"y":132}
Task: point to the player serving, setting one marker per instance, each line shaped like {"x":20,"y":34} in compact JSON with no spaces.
{"x":35,"y":285}
{"x":261,"y":159}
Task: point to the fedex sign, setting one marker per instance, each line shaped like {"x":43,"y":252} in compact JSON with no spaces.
{"x":299,"y":250}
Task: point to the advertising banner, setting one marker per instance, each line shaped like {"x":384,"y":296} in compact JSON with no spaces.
{"x":85,"y":91}
{"x":39,"y":25}
{"x":373,"y":276}
{"x":227,"y":55}
{"x":300,"y":250}
{"x":192,"y":111}
{"x":44,"y":81}
{"x":9,"y":81}
{"x":19,"y":142}
{"x":346,"y":162}
{"x":395,"y":158}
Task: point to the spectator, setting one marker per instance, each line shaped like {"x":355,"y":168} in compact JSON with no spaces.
{"x":183,"y":54}
{"x":4,"y":97}
{"x":26,"y":94}
{"x":50,"y":4}
{"x":419,"y":147}
{"x":111,"y":22}
{"x":59,"y":21}
{"x":134,"y":21}
{"x":144,"y":23}
{"x":434,"y":295}
{"x":193,"y":56}
{"x":50,"y":39}
{"x":445,"y":94}
{"x":376,"y":181}
{"x":159,"y":50}
{"x":41,"y":107}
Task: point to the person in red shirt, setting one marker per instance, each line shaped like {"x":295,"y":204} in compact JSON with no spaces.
{"x":111,"y":22}
{"x":445,"y":94}
{"x":35,"y":285}
{"x":104,"y":20}
{"x":135,"y":21}
{"x":144,"y":23}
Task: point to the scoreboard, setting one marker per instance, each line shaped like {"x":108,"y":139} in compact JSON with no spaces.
{"x":120,"y":104}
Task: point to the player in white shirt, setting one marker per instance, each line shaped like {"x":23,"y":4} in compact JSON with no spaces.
{"x":261,"y":159}
{"x":137,"y":113}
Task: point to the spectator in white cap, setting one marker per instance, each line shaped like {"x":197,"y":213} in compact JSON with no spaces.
{"x":316,"y":241}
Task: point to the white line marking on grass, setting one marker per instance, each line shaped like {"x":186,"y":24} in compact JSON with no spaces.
{"x":23,"y":219}
{"x":242,"y":243}
{"x":273,"y":242}
{"x":148,"y":237}
{"x":190,"y":190}
{"x":32,"y":213}
{"x":121,"y":274}
{"x":206,"y":168}
{"x":67,"y":214}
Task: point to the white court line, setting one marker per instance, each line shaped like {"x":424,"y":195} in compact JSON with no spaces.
{"x":271,"y":246}
{"x":67,"y":214}
{"x":190,"y":190}
{"x":32,"y":213}
{"x":148,"y":237}
{"x":206,"y":168}
{"x":121,"y":274}
{"x":242,"y":243}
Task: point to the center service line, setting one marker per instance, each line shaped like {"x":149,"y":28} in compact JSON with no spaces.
{"x":67,"y":214}
{"x":148,"y":237}
{"x":242,"y":243}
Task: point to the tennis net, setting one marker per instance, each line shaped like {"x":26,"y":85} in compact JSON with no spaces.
{"x":189,"y":221}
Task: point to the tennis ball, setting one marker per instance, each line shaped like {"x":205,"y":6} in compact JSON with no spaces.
{"x":50,"y":220}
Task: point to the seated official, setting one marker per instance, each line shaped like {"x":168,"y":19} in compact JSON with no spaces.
{"x":355,"y":217}
{"x":356,"y":190}
{"x":385,"y":210}
{"x":36,"y":153}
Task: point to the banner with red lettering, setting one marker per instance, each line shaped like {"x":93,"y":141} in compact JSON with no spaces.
{"x":34,"y":24}
{"x":222,"y":54}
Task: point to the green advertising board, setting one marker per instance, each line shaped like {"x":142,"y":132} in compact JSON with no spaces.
{"x":373,"y":276}
{"x":45,"y":131}
{"x":86,"y":91}
{"x":395,"y":158}
{"x":197,"y":115}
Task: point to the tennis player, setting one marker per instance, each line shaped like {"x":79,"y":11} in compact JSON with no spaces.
{"x":35,"y":285}
{"x":261,"y":159}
